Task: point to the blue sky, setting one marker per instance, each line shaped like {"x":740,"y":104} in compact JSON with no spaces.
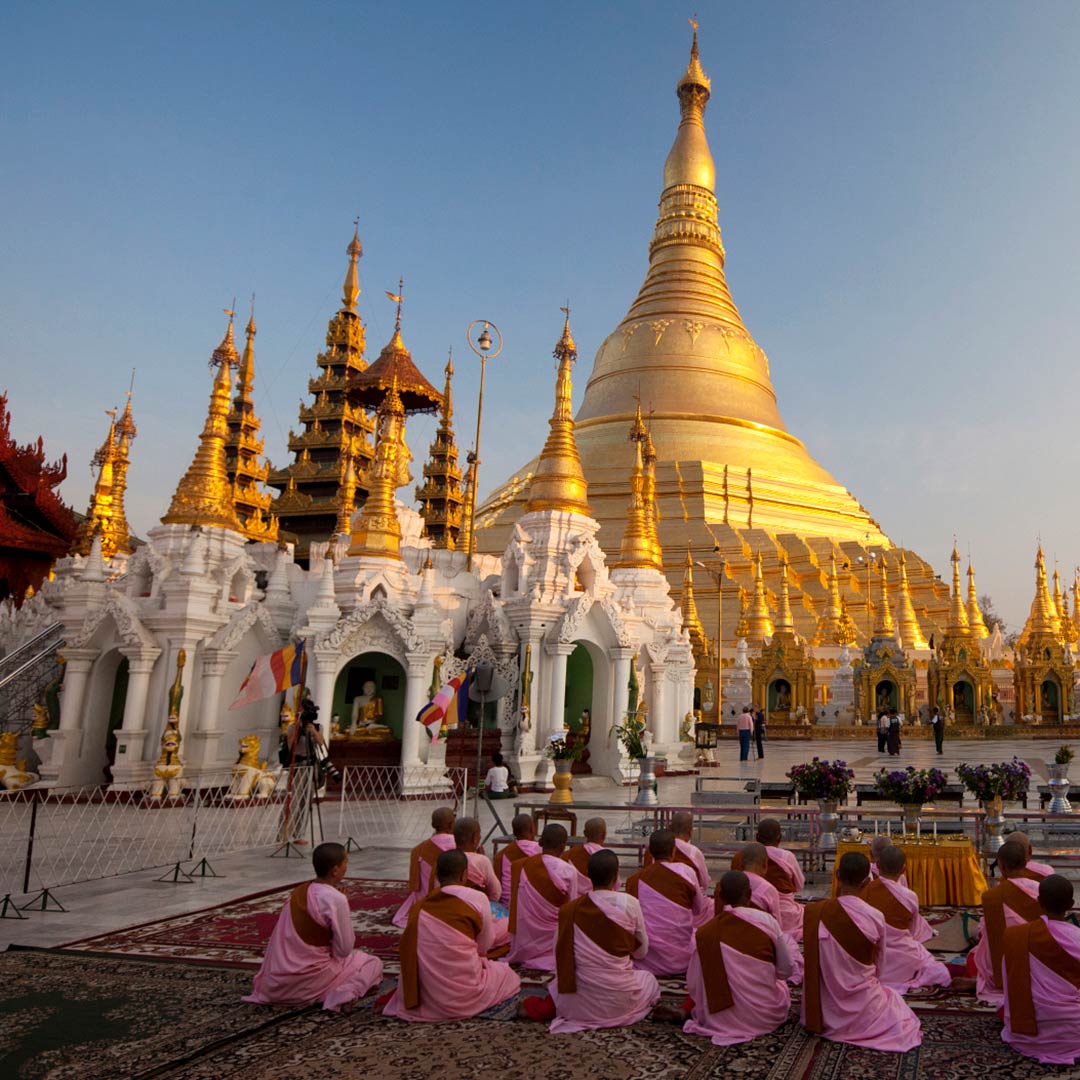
{"x":898,"y":198}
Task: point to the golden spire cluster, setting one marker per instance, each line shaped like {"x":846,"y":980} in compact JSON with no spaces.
{"x":204,"y":494}
{"x":1042,"y":620}
{"x":246,"y":468}
{"x":440,"y":496}
{"x":907,"y":624}
{"x":105,"y":514}
{"x":378,"y":532}
{"x":691,"y":621}
{"x":558,"y":482}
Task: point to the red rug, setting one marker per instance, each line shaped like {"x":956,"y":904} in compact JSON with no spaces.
{"x":235,"y":934}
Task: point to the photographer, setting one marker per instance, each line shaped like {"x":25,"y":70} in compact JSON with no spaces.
{"x":306,"y":749}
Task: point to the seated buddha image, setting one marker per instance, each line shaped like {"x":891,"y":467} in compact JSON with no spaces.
{"x":367,"y":715}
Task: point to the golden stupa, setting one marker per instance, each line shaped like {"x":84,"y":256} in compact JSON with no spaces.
{"x":728,"y":472}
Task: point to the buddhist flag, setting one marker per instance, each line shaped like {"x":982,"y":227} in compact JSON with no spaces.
{"x":269,"y":675}
{"x":448,"y":705}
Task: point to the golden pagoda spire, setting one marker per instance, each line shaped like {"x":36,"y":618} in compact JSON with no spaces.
{"x":558,"y":482}
{"x":636,"y":549}
{"x":378,"y":531}
{"x":101,"y":513}
{"x":742,"y":625}
{"x":1076,"y":599}
{"x":974,"y":612}
{"x":785,"y":621}
{"x":759,"y":624}
{"x":640,"y":433}
{"x":690,"y":619}
{"x":958,"y":619}
{"x":204,"y":494}
{"x":829,"y":624}
{"x":1041,"y":618}
{"x":125,"y":433}
{"x":440,"y":496}
{"x":885,"y":627}
{"x":907,"y":624}
{"x":346,"y":498}
{"x":1056,"y":599}
{"x":847,"y":633}
{"x":351,"y":289}
{"x":1069,"y":633}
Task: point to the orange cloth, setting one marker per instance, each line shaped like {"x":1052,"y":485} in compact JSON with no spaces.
{"x":943,"y":873}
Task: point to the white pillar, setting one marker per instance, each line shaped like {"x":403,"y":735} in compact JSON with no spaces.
{"x":79,"y":662}
{"x":556,"y":706}
{"x":620,"y":689}
{"x":322,"y":692}
{"x":131,"y":736}
{"x":205,"y":732}
{"x":417,"y":679}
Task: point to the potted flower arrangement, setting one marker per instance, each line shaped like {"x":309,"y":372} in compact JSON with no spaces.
{"x":911,"y":788}
{"x":1003,"y":781}
{"x":828,"y":782}
{"x":1059,"y":780}
{"x":564,"y":755}
{"x":633,"y":736}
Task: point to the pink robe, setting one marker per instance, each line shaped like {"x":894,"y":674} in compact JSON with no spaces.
{"x":791,"y":911}
{"x":533,"y":943}
{"x":530,"y":847}
{"x":670,"y":925}
{"x":610,"y":992}
{"x":1040,"y":868}
{"x":401,"y":917}
{"x":482,"y":874}
{"x":908,"y":965}
{"x":697,"y":858}
{"x":763,"y":895}
{"x":456,"y":982}
{"x":875,"y":874}
{"x":985,"y":990}
{"x":855,"y":1006}
{"x":760,"y":994}
{"x":1057,"y":1007}
{"x":584,"y":882}
{"x":295,"y":973}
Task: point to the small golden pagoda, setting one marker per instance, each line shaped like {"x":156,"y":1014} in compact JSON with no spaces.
{"x":783,"y":673}
{"x":907,"y":623}
{"x":884,"y":676}
{"x":331,"y":429}
{"x":377,"y":531}
{"x":558,"y":482}
{"x":105,"y":514}
{"x":759,"y":624}
{"x":958,"y":676}
{"x":636,"y":550}
{"x":440,"y":496}
{"x":704,"y":663}
{"x":346,"y":498}
{"x":1042,"y":673}
{"x":243,"y":451}
{"x":829,"y":624}
{"x":974,"y":612}
{"x":125,"y":435}
{"x":204,"y":495}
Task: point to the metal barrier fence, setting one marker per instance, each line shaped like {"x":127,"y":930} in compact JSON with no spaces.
{"x":390,"y":806}
{"x":64,"y":836}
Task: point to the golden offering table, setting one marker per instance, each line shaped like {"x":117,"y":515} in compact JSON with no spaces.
{"x":943,"y":871}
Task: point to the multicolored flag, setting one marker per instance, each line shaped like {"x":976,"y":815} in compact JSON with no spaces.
{"x":269,"y":675}
{"x":448,"y":705}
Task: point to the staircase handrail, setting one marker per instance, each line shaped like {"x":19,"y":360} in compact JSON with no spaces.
{"x":35,"y":641}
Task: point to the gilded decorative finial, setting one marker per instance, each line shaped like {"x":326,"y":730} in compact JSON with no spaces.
{"x":758,"y":620}
{"x":907,"y":624}
{"x":104,"y":516}
{"x":695,"y":79}
{"x":974,"y":612}
{"x":885,"y":627}
{"x":829,"y":624}
{"x":398,"y":299}
{"x":635,"y":549}
{"x":691,"y":621}
{"x":958,"y":620}
{"x":351,"y":288}
{"x":785,"y":621}
{"x":377,"y":532}
{"x":558,"y":482}
{"x":1041,"y":621}
{"x":346,"y":497}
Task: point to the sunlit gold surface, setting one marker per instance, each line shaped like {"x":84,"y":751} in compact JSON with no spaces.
{"x":691,"y":621}
{"x":759,"y":622}
{"x":440,"y":496}
{"x":377,"y":531}
{"x":1041,"y":656}
{"x":106,"y":515}
{"x":558,"y":482}
{"x":204,"y":494}
{"x":907,"y":624}
{"x":974,"y":612}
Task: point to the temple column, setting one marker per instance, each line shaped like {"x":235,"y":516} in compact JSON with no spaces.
{"x":608,"y":756}
{"x":523,"y":756}
{"x":67,"y":739}
{"x":322,"y":692}
{"x":417,"y":680}
{"x":665,"y":731}
{"x":206,"y":731}
{"x":131,"y":736}
{"x":556,"y":707}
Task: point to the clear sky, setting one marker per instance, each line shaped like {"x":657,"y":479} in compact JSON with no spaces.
{"x":898,"y":188}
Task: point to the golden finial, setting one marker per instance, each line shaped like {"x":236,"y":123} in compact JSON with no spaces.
{"x":246,"y":379}
{"x":758,"y":620}
{"x":907,"y":624}
{"x":1041,"y":618}
{"x":101,"y":516}
{"x":398,"y":298}
{"x":558,"y":482}
{"x":690,"y":619}
{"x":346,"y":497}
{"x":1056,"y":598}
{"x":695,"y":78}
{"x":742,"y":627}
{"x":784,"y":619}
{"x":885,"y":626}
{"x":351,"y":289}
{"x":974,"y":612}
{"x":225,"y":355}
{"x":635,"y":549}
{"x":829,"y":623}
{"x":958,"y":620}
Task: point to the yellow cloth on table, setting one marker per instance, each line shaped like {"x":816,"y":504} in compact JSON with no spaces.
{"x":944,"y":873}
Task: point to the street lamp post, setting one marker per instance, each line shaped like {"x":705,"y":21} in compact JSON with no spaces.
{"x":719,"y":574}
{"x":482,"y":346}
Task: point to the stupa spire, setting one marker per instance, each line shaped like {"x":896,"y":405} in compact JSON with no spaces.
{"x":974,"y":612}
{"x":204,"y":494}
{"x":1076,"y":600}
{"x":440,"y":496}
{"x":907,"y":623}
{"x":641,"y":434}
{"x":1041,"y":618}
{"x":690,"y":619}
{"x":958,"y":619}
{"x":100,"y":517}
{"x":1056,"y":599}
{"x":125,"y":434}
{"x":346,"y":498}
{"x":884,"y":626}
{"x":759,"y":624}
{"x":828,"y":627}
{"x":635,"y":549}
{"x":558,"y":482}
{"x":351,"y":289}
{"x":785,"y":621}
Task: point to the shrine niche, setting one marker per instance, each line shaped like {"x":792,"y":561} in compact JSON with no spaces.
{"x":884,"y":680}
{"x":782,"y":676}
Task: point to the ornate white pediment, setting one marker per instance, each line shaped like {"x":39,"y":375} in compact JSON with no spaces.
{"x":254,"y":614}
{"x":129,"y":627}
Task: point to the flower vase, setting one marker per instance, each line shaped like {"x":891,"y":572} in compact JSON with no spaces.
{"x":828,"y":819}
{"x":995,"y":824}
{"x":911,"y":813}
{"x":1059,"y":789}
{"x":563,"y":780}
{"x":646,"y":784}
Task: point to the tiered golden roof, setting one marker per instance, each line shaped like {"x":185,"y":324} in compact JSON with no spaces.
{"x":974,"y":612}
{"x":331,"y":429}
{"x":204,"y":494}
{"x":377,"y":531}
{"x":558,"y":482}
{"x":440,"y":496}
{"x":247,"y":469}
{"x":907,"y":624}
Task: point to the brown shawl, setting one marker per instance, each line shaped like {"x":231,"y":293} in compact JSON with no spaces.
{"x":739,"y":934}
{"x":849,"y":937}
{"x":1021,"y":944}
{"x":455,"y":913}
{"x":585,"y":914}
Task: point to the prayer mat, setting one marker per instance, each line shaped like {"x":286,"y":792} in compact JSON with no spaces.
{"x":70,"y":1017}
{"x":235,"y":934}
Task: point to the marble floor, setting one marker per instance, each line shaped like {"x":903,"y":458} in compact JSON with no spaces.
{"x":112,"y":903}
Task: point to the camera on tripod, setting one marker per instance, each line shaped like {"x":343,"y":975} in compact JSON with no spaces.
{"x":309,"y":716}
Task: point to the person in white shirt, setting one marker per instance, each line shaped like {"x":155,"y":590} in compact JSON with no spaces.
{"x":497,"y":781}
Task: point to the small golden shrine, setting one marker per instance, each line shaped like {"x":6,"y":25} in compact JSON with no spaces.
{"x":783,"y":673}
{"x":1043,"y":668}
{"x":441,"y":498}
{"x":884,"y":676}
{"x":958,"y":677}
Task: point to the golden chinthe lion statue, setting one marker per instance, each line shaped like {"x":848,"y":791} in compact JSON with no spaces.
{"x":250,"y":777}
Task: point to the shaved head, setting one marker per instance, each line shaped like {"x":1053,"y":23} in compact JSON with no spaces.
{"x":682,"y":824}
{"x":1011,"y":858}
{"x":596,"y":830}
{"x":891,"y":863}
{"x":852,"y":870}
{"x":451,"y":866}
{"x":662,"y":844}
{"x":755,"y":859}
{"x":1056,"y":895}
{"x":524,"y":827}
{"x":603,"y":868}
{"x":1021,"y":838}
{"x":734,"y":889}
{"x":466,"y":833}
{"x":877,"y":846}
{"x":553,"y":840}
{"x":769,"y":832}
{"x":442,"y":820}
